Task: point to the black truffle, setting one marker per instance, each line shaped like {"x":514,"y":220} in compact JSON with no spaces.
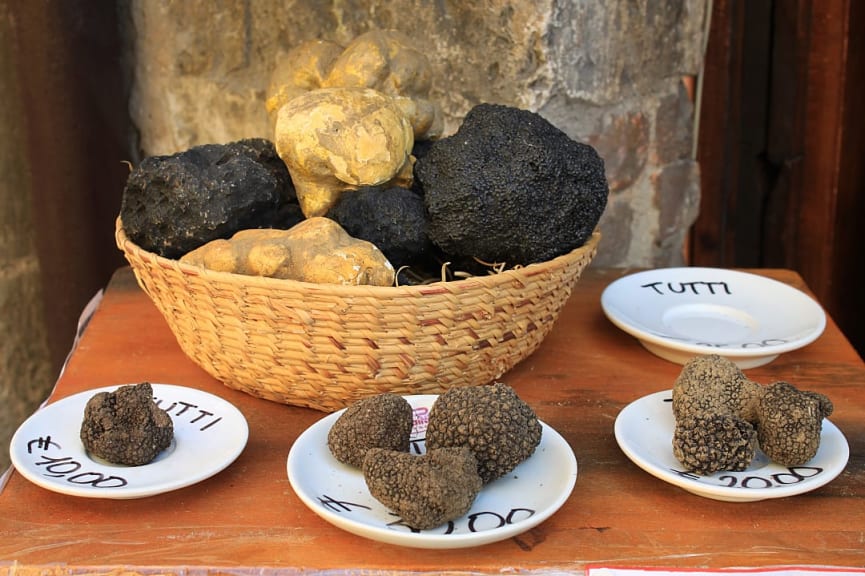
{"x":509,"y":187}
{"x":174,"y":204}
{"x":499,"y":428}
{"x":710,"y":443}
{"x":381,"y":421}
{"x":126,"y":426}
{"x":790,"y":423}
{"x":394,"y":219}
{"x":425,"y":491}
{"x":714,"y":384}
{"x":722,"y":417}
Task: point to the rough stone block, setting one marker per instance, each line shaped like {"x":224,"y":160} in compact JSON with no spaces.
{"x":674,"y":127}
{"x":677,"y":196}
{"x":622,"y":140}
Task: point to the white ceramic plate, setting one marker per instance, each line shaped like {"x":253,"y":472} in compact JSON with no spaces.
{"x":522,"y":499}
{"x":644,"y":431}
{"x":209,"y":434}
{"x":678,"y":313}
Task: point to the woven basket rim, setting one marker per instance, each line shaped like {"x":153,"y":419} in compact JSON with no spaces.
{"x":488,"y":281}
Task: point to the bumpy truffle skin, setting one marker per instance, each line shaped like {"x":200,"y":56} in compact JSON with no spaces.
{"x":711,"y":443}
{"x":174,"y":204}
{"x":714,"y":404}
{"x":719,"y":413}
{"x":791,"y":422}
{"x":495,"y":423}
{"x":126,"y":426}
{"x":425,"y":491}
{"x":510,"y":187}
{"x":381,"y":421}
{"x":394,"y":219}
{"x":714,"y":384}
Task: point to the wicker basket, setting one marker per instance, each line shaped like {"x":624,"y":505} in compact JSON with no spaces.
{"x":325,"y":346}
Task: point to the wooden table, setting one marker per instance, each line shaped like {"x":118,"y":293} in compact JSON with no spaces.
{"x":247,"y":519}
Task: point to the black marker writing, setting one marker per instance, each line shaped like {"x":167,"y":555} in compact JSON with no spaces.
{"x":792,"y":475}
{"x":339,"y":505}
{"x":41,"y":444}
{"x":416,"y":445}
{"x":487,"y":520}
{"x":71,"y":471}
{"x":699,"y":287}
{"x":191,"y":412}
{"x":479,"y":521}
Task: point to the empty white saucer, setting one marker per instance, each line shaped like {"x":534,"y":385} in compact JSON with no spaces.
{"x":679,"y":313}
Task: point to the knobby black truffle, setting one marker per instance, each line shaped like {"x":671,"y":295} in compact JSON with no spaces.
{"x":722,"y":417}
{"x":394,"y":219}
{"x":381,"y":421}
{"x":509,"y":187}
{"x":710,"y":442}
{"x":126,"y":426}
{"x":174,"y":204}
{"x":474,"y":435}
{"x":790,"y":422}
{"x":496,"y":424}
{"x":715,"y":385}
{"x":425,"y":491}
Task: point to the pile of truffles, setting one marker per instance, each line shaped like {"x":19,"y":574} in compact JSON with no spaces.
{"x":357,"y":140}
{"x":722,"y":418}
{"x":474,"y":436}
{"x":126,"y":426}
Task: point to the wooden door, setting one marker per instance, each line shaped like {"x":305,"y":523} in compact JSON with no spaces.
{"x":782,"y":147}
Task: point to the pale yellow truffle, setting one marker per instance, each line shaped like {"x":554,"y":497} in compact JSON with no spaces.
{"x":388,"y":61}
{"x":384,"y":60}
{"x":337,"y":139}
{"x":302,"y":69}
{"x":316,"y":250}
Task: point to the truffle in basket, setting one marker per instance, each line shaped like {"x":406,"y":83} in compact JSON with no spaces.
{"x":174,"y":204}
{"x":337,"y":139}
{"x":316,"y":250}
{"x":509,"y":187}
{"x":384,"y":60}
{"x":394,"y":219}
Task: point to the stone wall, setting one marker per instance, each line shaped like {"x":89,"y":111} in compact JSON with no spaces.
{"x":608,"y":73}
